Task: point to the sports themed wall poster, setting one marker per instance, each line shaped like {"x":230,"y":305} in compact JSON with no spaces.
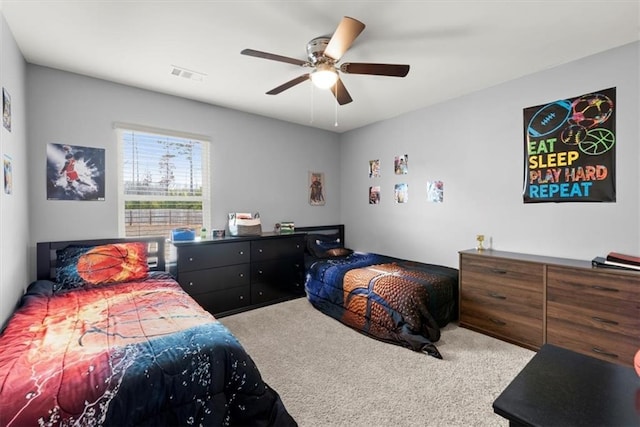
{"x":74,"y":172}
{"x":569,"y":150}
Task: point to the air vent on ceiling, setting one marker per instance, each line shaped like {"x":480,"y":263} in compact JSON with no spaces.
{"x":187,"y":74}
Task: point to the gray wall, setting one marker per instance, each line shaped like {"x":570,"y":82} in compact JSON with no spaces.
{"x":475,"y":145}
{"x":257,"y":164}
{"x":14,"y":230}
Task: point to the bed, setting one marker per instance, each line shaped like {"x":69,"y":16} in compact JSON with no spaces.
{"x":106,"y":337}
{"x":387,"y":298}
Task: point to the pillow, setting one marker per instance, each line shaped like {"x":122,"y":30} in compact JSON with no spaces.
{"x":337,"y":252}
{"x":79,"y":266}
{"x":326,"y":246}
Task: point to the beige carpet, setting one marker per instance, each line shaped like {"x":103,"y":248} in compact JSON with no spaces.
{"x":330,"y":375}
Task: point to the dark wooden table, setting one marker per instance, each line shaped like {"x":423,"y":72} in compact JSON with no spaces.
{"x":559,"y":387}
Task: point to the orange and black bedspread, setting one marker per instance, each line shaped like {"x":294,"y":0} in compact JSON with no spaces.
{"x":390,"y":299}
{"x":130,"y":353}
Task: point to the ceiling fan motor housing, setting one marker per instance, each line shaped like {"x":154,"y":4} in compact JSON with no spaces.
{"x":315,"y":50}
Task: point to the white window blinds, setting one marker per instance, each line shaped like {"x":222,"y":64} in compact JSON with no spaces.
{"x":163,"y":181}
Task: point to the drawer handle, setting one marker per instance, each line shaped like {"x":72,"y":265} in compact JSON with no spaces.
{"x":260,"y":250}
{"x":259,"y":271}
{"x":496,"y":295}
{"x":604,"y":353}
{"x":498,"y":271}
{"x":601,"y":320}
{"x":241,"y":297}
{"x":190,"y":283}
{"x":190,"y":259}
{"x":260,"y":293}
{"x":602,"y":288}
{"x":497,"y":322}
{"x":241,"y":253}
{"x":241,"y":274}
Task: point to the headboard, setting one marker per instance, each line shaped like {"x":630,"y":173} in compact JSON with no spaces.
{"x":323,"y":229}
{"x":46,"y":253}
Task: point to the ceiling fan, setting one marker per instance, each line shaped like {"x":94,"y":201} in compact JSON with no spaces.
{"x":323,"y":54}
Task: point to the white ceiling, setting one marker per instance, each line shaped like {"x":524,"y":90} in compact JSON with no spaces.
{"x":454,"y":47}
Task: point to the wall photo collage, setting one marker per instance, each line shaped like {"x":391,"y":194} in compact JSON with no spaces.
{"x":434,"y":189}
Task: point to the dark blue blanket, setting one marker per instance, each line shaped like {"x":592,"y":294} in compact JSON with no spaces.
{"x":390,"y":299}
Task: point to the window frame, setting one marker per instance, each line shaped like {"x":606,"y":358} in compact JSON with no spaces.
{"x":205,"y":141}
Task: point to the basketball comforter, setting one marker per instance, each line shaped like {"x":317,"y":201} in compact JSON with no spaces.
{"x":131,"y":353}
{"x":398,"y":301}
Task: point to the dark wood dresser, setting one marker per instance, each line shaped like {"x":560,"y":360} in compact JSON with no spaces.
{"x":531,"y":300}
{"x":234,"y":274}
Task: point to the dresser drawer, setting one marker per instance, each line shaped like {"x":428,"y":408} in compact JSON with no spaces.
{"x":265,"y":292}
{"x":491,"y":272}
{"x":513,"y":317}
{"x":601,"y":344}
{"x":213,"y":279}
{"x":225,"y":300}
{"x":201,"y":256}
{"x":276,"y":248}
{"x":596,"y":286}
{"x":281,"y":271}
{"x":526,"y":303}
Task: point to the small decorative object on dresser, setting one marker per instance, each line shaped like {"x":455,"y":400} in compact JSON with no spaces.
{"x":287,"y":227}
{"x":245,"y":224}
{"x":531,"y":300}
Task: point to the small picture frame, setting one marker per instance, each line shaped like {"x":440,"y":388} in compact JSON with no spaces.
{"x":316,"y":189}
{"x":6,"y":109}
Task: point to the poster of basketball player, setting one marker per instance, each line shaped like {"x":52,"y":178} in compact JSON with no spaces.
{"x":75,"y":173}
{"x":316,"y":188}
{"x":569,"y":149}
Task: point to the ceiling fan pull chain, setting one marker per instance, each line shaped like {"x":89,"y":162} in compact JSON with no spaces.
{"x":311,"y":105}
{"x":335,"y":124}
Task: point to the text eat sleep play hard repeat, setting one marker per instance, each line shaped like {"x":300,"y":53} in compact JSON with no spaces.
{"x":547,"y":168}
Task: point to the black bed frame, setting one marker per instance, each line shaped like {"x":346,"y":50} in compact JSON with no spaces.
{"x":46,"y":255}
{"x":323,"y":229}
{"x":46,"y":252}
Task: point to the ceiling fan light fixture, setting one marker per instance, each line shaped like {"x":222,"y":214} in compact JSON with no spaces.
{"x":324,"y":77}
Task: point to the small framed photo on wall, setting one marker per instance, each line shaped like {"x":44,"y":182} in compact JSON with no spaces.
{"x":6,"y":109}
{"x":316,"y":188}
{"x":401,"y":164}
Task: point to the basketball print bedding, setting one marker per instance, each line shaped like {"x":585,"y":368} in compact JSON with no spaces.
{"x":390,"y":299}
{"x":112,"y":343}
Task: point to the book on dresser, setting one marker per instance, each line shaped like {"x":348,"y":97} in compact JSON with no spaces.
{"x":603,"y":262}
{"x":623,"y":259}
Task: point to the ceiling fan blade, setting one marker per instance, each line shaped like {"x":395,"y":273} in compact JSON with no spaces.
{"x":289,"y":84}
{"x":273,"y":57}
{"x":343,"y":37}
{"x":340,"y":92}
{"x":393,"y":70}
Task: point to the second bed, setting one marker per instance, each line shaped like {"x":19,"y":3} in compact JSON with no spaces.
{"x":390,"y":299}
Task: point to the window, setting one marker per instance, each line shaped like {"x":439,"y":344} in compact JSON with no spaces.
{"x":163,"y":181}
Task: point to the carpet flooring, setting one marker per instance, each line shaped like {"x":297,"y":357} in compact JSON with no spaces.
{"x":330,"y":375}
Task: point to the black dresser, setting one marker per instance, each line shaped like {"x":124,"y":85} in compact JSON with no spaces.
{"x":234,"y":274}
